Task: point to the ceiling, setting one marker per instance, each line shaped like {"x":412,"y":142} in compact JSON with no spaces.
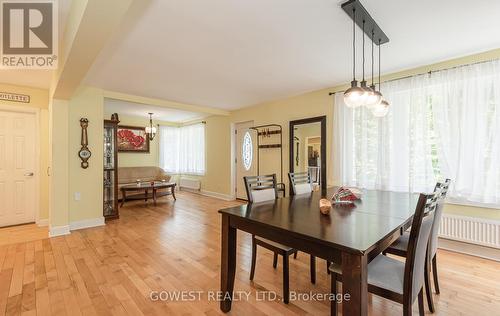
{"x":38,"y":78}
{"x":141,"y":110}
{"x":230,"y":54}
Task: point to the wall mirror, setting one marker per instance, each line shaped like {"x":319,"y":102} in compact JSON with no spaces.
{"x":308,"y":149}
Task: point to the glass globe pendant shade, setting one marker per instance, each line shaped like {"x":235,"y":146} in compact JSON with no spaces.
{"x":353,"y":96}
{"x":381,"y":109}
{"x":367,"y":91}
{"x":374,"y":98}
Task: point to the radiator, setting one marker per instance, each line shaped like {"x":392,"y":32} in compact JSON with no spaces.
{"x":191,"y":184}
{"x":477,"y":231}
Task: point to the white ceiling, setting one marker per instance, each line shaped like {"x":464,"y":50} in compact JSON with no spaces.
{"x":38,"y":78}
{"x":141,"y":110}
{"x":230,"y":54}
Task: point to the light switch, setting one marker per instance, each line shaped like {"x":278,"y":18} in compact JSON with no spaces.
{"x":77,"y":196}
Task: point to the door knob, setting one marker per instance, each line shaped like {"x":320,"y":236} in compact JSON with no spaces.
{"x":29,"y":174}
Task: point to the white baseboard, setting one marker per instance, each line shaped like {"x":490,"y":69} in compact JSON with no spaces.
{"x":55,"y":231}
{"x":87,"y":223}
{"x":470,"y":249}
{"x":43,"y":222}
{"x":216,"y":195}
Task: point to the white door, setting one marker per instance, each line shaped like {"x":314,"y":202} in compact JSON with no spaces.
{"x":17,"y":167}
{"x":246,"y":158}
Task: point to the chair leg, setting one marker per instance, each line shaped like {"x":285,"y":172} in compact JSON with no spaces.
{"x":313,"y":269}
{"x":421,"y":302}
{"x":407,"y":309}
{"x":333,"y":302}
{"x":428,"y":290}
{"x":286,"y":289}
{"x":295,"y":255}
{"x":275,"y":260}
{"x":254,"y":257}
{"x":435,"y":273}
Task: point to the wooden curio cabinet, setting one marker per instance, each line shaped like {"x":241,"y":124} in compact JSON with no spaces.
{"x":110,"y":201}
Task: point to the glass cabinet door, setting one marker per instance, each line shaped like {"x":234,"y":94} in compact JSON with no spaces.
{"x":110,"y":202}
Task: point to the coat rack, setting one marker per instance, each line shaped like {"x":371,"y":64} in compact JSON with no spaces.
{"x":267,"y":131}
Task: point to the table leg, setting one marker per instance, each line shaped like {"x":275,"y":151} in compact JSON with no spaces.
{"x":146,"y":196}
{"x":124,"y":197}
{"x":172,"y":188}
{"x":228,"y":263}
{"x":355,"y":283}
{"x":154,"y":197}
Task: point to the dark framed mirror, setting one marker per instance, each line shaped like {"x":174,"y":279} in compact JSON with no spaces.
{"x":307,"y":147}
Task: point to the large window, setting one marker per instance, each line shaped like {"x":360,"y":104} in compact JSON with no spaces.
{"x":442,"y":125}
{"x":182,"y":149}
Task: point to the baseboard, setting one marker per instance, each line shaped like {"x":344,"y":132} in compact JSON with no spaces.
{"x":216,"y":195}
{"x":470,"y":249}
{"x":43,"y":222}
{"x":55,"y":231}
{"x":87,"y":223}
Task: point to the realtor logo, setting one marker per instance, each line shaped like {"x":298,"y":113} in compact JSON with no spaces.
{"x":29,"y":34}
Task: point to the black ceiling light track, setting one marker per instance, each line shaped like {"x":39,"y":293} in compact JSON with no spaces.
{"x":371,"y":27}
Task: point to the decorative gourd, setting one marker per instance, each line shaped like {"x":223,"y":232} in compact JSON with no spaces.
{"x":325,"y":206}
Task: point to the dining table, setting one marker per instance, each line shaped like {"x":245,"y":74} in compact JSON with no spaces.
{"x":349,"y":235}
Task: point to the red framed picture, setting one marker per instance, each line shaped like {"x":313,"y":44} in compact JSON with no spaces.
{"x":132,"y":139}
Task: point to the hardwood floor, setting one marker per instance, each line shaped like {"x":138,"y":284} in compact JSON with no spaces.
{"x":175,"y":246}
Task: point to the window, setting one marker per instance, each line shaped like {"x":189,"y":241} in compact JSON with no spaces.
{"x":443,"y":125}
{"x":247,"y":151}
{"x":182,"y":149}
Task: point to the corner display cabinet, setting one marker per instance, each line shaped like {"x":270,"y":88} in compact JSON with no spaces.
{"x":110,"y":201}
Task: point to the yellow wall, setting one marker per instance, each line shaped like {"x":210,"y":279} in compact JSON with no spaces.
{"x":58,"y":160}
{"x":38,"y":99}
{"x":86,"y":103}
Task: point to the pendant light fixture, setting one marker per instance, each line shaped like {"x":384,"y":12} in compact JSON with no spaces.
{"x":367,"y":91}
{"x":363,"y":95}
{"x":353,"y":96}
{"x":150,"y":130}
{"x":382,"y":108}
{"x":375,"y":97}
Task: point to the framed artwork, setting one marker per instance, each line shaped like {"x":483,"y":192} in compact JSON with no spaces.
{"x":132,"y":139}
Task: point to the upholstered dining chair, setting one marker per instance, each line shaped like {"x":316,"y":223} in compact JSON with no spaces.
{"x":392,"y":279}
{"x":400,"y":246}
{"x":263,"y":189}
{"x":300,"y":183}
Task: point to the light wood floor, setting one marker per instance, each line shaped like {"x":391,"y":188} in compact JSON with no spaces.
{"x":111,"y":270}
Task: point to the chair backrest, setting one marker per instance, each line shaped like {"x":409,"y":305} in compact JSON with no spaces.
{"x":261,"y":188}
{"x":418,"y":244}
{"x":300,"y":182}
{"x":442,"y":189}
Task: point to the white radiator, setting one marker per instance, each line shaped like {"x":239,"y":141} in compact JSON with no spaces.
{"x":191,"y":184}
{"x":477,"y":231}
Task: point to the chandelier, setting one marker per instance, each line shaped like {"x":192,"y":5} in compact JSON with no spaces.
{"x":150,"y":130}
{"x":363,"y":95}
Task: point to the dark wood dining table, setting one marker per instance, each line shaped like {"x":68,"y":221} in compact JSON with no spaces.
{"x":351,"y":236}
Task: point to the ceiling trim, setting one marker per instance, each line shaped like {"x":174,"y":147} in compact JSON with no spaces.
{"x":164,"y":103}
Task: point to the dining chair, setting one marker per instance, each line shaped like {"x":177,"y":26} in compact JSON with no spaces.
{"x":263,"y":189}
{"x":392,"y":279}
{"x":400,"y":246}
{"x":300,"y":182}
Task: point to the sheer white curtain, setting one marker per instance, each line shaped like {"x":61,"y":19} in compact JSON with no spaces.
{"x":182,"y":149}
{"x":466,"y":114}
{"x":444,"y":125}
{"x":389,"y":153}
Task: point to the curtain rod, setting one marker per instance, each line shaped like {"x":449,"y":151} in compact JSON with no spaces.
{"x":430,"y":72}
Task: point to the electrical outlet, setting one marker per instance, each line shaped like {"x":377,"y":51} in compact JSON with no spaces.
{"x":77,"y":196}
